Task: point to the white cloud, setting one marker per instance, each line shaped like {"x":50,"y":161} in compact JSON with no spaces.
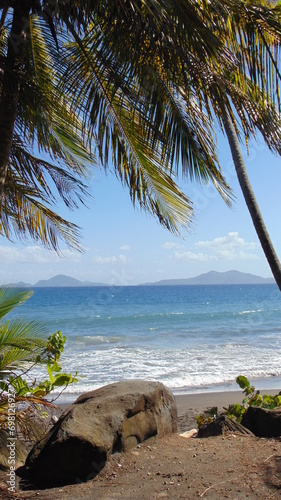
{"x":231,"y":241}
{"x":98,"y":259}
{"x":125,"y":248}
{"x":123,"y":259}
{"x":193,"y":256}
{"x":36,"y":255}
{"x":168,"y":245}
{"x":223,"y":248}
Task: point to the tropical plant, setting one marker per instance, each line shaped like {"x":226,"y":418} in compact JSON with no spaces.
{"x":141,"y":82}
{"x":36,"y":119}
{"x":23,"y":345}
{"x":263,"y":24}
{"x":252,"y":397}
{"x":255,"y":44}
{"x":236,"y":411}
{"x":179,"y":69}
{"x":228,"y":64}
{"x":251,"y":202}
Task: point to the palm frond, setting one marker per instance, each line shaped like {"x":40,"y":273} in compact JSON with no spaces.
{"x":24,"y":215}
{"x":136,"y":163}
{"x":47,"y":177}
{"x":11,"y":298}
{"x":64,"y":124}
{"x":44,"y":117}
{"x":19,"y":340}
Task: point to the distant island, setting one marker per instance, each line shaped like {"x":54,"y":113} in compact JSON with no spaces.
{"x":60,"y":280}
{"x":216,"y":278}
{"x":65,"y":281}
{"x":210,"y":278}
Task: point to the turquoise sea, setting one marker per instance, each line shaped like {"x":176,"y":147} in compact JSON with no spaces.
{"x":192,"y":338}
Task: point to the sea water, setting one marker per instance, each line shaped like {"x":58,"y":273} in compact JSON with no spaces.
{"x":191,"y":338}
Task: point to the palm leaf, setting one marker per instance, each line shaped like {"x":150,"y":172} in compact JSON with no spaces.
{"x":24,"y":215}
{"x":19,"y":340}
{"x":11,"y":298}
{"x":65,"y":125}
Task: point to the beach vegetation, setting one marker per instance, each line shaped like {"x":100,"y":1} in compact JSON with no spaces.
{"x":23,"y":347}
{"x":207,"y":417}
{"x":252,"y":397}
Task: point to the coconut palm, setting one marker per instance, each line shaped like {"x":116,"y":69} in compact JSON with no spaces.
{"x":255,"y":44}
{"x":114,"y":112}
{"x":43,"y":119}
{"x":146,"y":79}
{"x":34,"y":114}
{"x":264,"y":51}
{"x":194,"y":62}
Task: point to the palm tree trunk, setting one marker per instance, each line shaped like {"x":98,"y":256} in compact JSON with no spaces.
{"x":13,"y":66}
{"x":251,"y":201}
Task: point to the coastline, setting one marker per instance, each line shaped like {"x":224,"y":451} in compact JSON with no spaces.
{"x":191,"y":404}
{"x":271,"y":385}
{"x":229,"y":466}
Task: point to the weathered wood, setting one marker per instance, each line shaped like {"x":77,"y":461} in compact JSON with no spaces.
{"x":222,"y":425}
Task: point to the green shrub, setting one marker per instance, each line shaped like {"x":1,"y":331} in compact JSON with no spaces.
{"x":22,"y":347}
{"x":236,"y":411}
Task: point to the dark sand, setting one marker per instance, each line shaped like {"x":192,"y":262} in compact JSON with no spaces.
{"x":231,"y":466}
{"x":191,"y":405}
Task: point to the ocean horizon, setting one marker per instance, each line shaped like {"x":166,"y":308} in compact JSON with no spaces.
{"x":193,"y":338}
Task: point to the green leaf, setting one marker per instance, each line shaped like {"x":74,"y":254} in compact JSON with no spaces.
{"x":4,"y":386}
{"x":243,"y":382}
{"x":63,"y":379}
{"x":55,"y":367}
{"x":50,"y":373}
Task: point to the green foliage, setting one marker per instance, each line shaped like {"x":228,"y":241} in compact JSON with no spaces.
{"x":134,"y":85}
{"x":49,"y":356}
{"x":236,"y":411}
{"x":208,"y":416}
{"x":252,"y":398}
{"x":20,"y":350}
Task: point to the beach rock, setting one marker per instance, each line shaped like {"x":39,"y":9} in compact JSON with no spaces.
{"x":222,"y":425}
{"x":262,"y":422}
{"x":13,"y":451}
{"x":111,"y":419}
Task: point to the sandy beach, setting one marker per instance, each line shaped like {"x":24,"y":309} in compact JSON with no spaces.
{"x":229,"y":466}
{"x":190,"y":405}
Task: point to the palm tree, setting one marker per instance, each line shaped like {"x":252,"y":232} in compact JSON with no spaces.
{"x":262,"y":24}
{"x":259,"y":55}
{"x":120,"y":121}
{"x":255,"y":44}
{"x":146,"y":79}
{"x":199,"y":60}
{"x":34,"y":112}
{"x":251,"y":201}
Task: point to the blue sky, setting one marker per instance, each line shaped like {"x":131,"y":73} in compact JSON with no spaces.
{"x":123,"y":246}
